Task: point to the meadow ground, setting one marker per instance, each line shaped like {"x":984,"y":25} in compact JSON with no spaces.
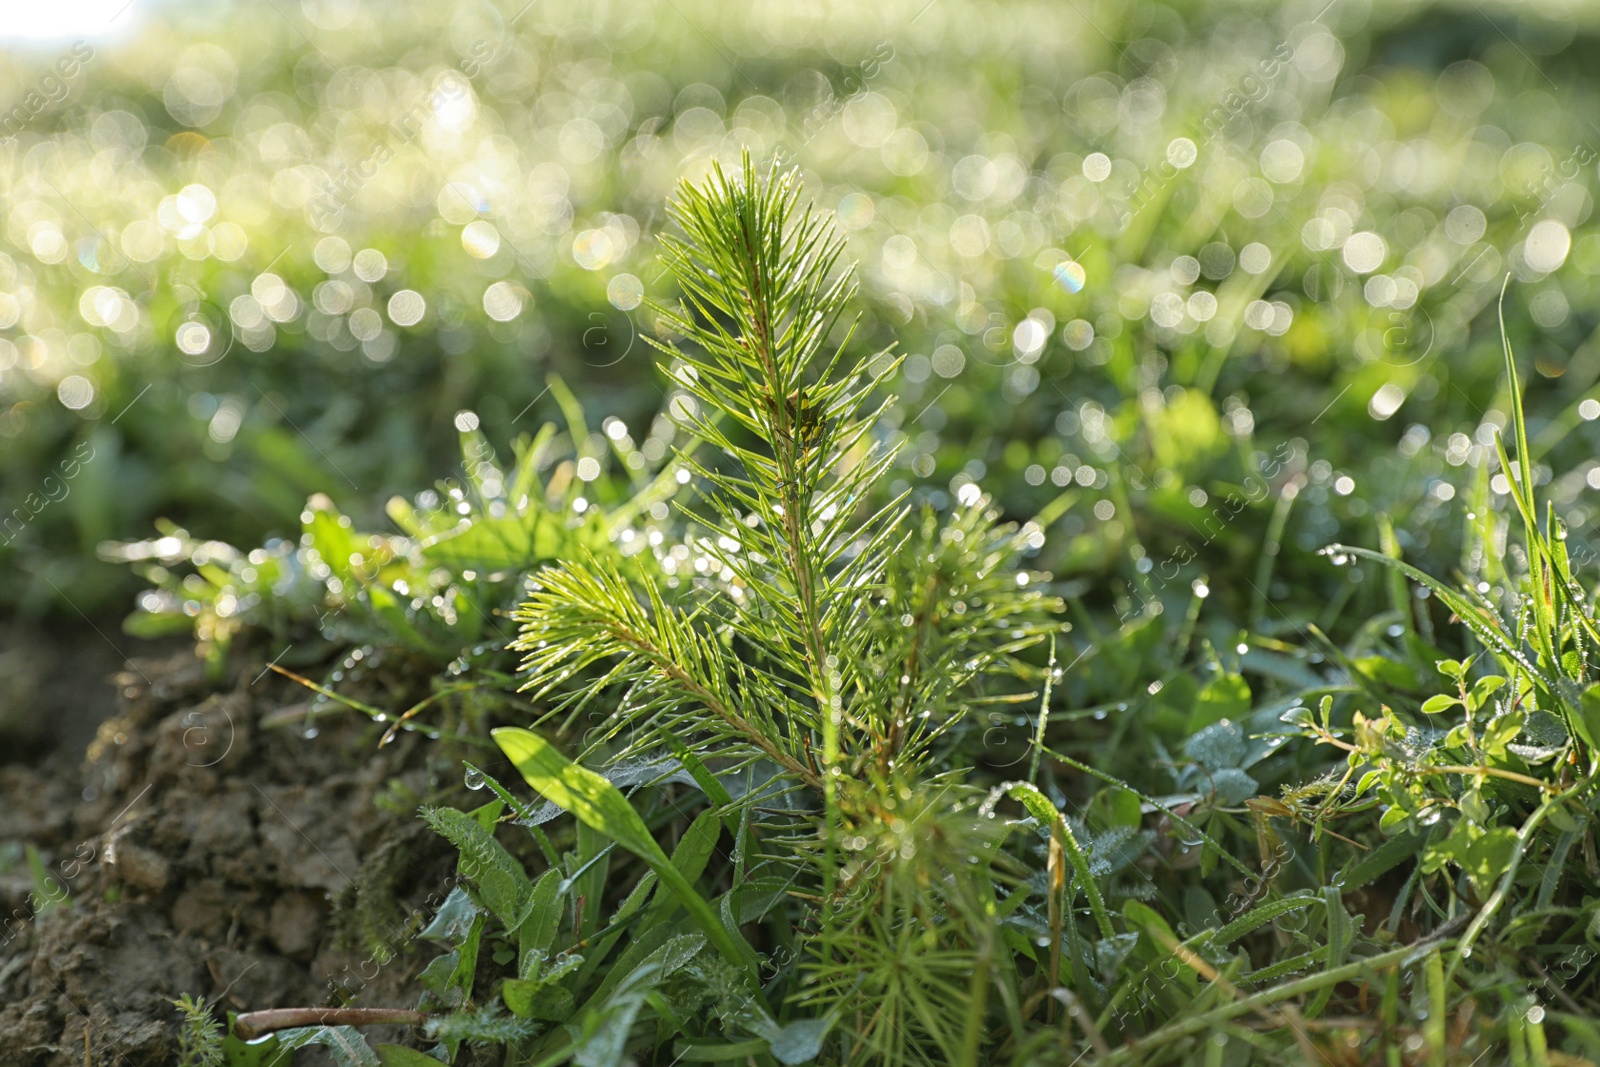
{"x":943,"y":532}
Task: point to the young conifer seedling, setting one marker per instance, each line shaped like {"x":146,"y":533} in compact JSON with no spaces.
{"x":814,"y":671}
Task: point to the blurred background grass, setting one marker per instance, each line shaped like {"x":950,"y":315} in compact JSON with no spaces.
{"x":1225,"y":272}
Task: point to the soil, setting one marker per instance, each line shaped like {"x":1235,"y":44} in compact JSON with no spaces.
{"x":205,"y":845}
{"x":55,"y":685}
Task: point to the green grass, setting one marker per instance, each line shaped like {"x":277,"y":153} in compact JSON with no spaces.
{"x":931,"y":660}
{"x":797,"y":836}
{"x":235,"y":437}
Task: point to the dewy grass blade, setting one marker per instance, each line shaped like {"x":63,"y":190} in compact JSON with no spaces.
{"x":598,"y":803}
{"x":1040,"y":808}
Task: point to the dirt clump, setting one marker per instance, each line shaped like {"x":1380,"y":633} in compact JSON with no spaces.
{"x":202,"y":849}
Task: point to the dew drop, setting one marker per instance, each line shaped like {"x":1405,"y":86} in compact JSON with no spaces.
{"x":473,"y":778}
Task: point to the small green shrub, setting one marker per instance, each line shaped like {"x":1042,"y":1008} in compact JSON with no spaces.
{"x":200,"y":1039}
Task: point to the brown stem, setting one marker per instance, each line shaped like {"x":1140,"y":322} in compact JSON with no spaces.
{"x":254,"y":1024}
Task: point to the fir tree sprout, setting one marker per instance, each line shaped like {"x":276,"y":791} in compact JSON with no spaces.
{"x":845,"y":639}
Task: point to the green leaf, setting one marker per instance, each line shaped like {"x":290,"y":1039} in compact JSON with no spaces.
{"x":1255,"y":917}
{"x":694,"y":851}
{"x":1563,"y":820}
{"x":1443,"y":702}
{"x":1117,"y":807}
{"x":1232,"y":786}
{"x":1472,"y":805}
{"x":1341,"y":935}
{"x":605,"y":1031}
{"x":1502,"y":731}
{"x":454,"y":919}
{"x":333,"y":538}
{"x":1224,"y":697}
{"x":1040,"y":808}
{"x":344,"y":1043}
{"x":1392,"y":819}
{"x":538,"y":932}
{"x":1385,"y":672}
{"x":1486,"y":858}
{"x":1222,"y":744}
{"x":484,"y":861}
{"x":718,"y":1051}
{"x":601,"y":805}
{"x":509,"y":543}
{"x":1485,"y":626}
{"x":1483,"y":689}
{"x":539,"y":998}
{"x":1380,"y":860}
{"x":448,"y":979}
{"x":713,"y":789}
{"x":1586,"y":724}
{"x":659,"y":952}
{"x":690,"y":857}
{"x":1299,"y":716}
{"x":1142,"y":917}
{"x":799,"y":1041}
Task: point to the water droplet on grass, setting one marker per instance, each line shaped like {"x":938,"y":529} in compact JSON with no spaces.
{"x":473,"y":778}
